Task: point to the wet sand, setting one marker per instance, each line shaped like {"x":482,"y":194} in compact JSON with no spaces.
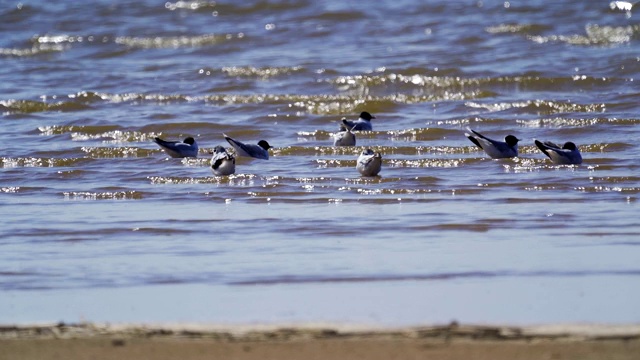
{"x":97,"y":341}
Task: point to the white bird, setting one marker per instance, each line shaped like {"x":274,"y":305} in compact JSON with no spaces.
{"x":494,"y":148}
{"x":568,"y":154}
{"x":222,"y":163}
{"x":369,"y":163}
{"x":362,"y":124}
{"x":179,"y":149}
{"x":344,"y":138}
{"x":259,"y":151}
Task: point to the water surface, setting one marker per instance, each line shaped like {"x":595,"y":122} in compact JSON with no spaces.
{"x":99,"y":224}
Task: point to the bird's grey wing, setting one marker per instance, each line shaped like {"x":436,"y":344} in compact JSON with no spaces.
{"x":169,"y":144}
{"x":474,"y":140}
{"x":552,"y":145}
{"x":497,"y":144}
{"x":544,"y":147}
{"x":241,"y":148}
{"x":478,"y":134}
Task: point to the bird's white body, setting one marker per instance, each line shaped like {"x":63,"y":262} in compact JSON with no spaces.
{"x":568,"y":154}
{"x":494,"y":148}
{"x":344,"y":138}
{"x":369,"y":163}
{"x":259,"y":151}
{"x":222,"y":163}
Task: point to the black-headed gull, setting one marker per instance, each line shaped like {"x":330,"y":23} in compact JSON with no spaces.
{"x":568,"y":154}
{"x":369,"y":163}
{"x":179,"y":149}
{"x":259,"y":151}
{"x":222,"y":163}
{"x":362,"y":124}
{"x":494,"y":148}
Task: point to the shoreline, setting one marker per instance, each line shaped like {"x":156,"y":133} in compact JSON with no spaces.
{"x":200,"y":341}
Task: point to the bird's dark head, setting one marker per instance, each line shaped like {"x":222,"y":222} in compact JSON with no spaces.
{"x":511,"y":140}
{"x":365,"y":115}
{"x":189,"y":140}
{"x":569,"y":146}
{"x":264,"y":144}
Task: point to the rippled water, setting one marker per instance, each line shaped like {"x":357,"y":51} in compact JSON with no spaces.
{"x":94,"y":212}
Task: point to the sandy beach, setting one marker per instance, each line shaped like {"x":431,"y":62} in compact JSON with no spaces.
{"x":454,"y":341}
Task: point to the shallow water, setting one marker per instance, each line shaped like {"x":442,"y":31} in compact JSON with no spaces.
{"x":99,"y":224}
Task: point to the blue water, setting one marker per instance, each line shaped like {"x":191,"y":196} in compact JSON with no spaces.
{"x":98,"y":224}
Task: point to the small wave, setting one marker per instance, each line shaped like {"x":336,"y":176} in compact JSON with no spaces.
{"x":190,"y":5}
{"x":117,"y":152}
{"x":428,"y":163}
{"x":22,"y":189}
{"x":333,"y":104}
{"x":7,"y":162}
{"x":546,"y":107}
{"x":115,"y":136}
{"x":231,"y":8}
{"x":335,"y":16}
{"x":30,"y":106}
{"x":356,"y":150}
{"x":331,"y":150}
{"x":61,"y":42}
{"x":60,"y":39}
{"x":604,"y":188}
{"x":237,"y":179}
{"x":606,"y":147}
{"x":314,"y":104}
{"x":87,"y":129}
{"x":472,"y":227}
{"x":372,"y":103}
{"x":575,"y":122}
{"x":109,"y":195}
{"x":596,"y":35}
{"x":295,"y":279}
{"x":174,"y":42}
{"x":262,"y":73}
{"x":10,"y":189}
{"x":138,"y":97}
{"x":516,"y":29}
{"x":405,"y":163}
{"x":424,"y":88}
{"x":41,"y":49}
{"x":422,"y":134}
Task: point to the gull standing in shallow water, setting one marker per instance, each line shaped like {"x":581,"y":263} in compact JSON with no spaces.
{"x":222,"y":163}
{"x":369,"y":163}
{"x":179,"y":149}
{"x":568,"y":154}
{"x":259,"y":151}
{"x":344,"y":138}
{"x":362,"y":124}
{"x":494,"y":148}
